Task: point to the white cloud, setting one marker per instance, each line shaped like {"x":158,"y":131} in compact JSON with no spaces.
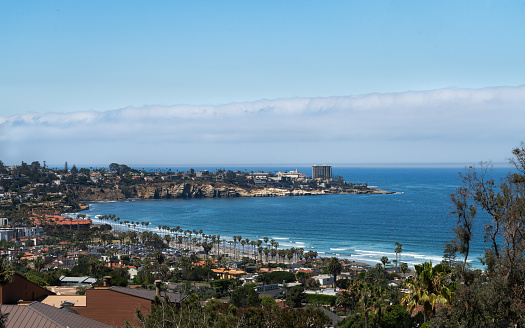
{"x":446,"y":119}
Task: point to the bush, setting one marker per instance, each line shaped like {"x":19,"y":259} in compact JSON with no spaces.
{"x":245,"y":296}
{"x":318,"y":299}
{"x":37,"y":280}
{"x":277,"y":277}
{"x":200,"y":274}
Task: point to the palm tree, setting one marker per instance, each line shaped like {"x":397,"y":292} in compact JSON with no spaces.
{"x":273,"y":253}
{"x":335,"y":268}
{"x":384,"y":260}
{"x":398,"y":254}
{"x":168,"y":239}
{"x":404,"y":269}
{"x":428,"y":289}
{"x":365,"y":298}
{"x":6,"y":272}
{"x":230,"y":242}
{"x":39,"y":263}
{"x":282,"y":253}
{"x":243,"y":242}
{"x":290,"y":254}
{"x":218,"y":241}
{"x":234,"y":246}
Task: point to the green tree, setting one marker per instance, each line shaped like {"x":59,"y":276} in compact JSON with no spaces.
{"x":404,"y":268}
{"x":499,"y":293}
{"x":245,"y":296}
{"x":398,"y":251}
{"x":39,"y":263}
{"x":335,"y":268}
{"x":428,"y":289}
{"x":295,"y":296}
{"x":384,"y":260}
{"x":6,"y":272}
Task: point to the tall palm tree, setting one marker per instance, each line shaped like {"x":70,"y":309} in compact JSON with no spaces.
{"x":335,"y":268}
{"x":282,"y":253}
{"x":273,"y":253}
{"x":363,"y":291}
{"x":399,"y":249}
{"x":266,"y":251}
{"x":218,"y":241}
{"x":234,"y":246}
{"x":243,"y":242}
{"x":290,"y":254}
{"x":428,"y":289}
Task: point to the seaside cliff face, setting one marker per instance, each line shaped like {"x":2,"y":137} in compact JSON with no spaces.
{"x":187,"y":190}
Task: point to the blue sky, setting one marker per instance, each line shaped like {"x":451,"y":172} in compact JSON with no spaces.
{"x":236,"y":82}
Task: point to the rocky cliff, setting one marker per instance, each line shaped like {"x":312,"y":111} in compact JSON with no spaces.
{"x":161,"y":190}
{"x":186,"y":190}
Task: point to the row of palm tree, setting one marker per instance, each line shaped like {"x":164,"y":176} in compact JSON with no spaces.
{"x":193,"y":239}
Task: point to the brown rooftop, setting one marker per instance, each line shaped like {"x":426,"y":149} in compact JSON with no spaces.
{"x":148,"y":294}
{"x":37,"y":314}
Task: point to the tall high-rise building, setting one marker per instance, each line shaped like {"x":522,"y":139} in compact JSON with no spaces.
{"x":321,"y":171}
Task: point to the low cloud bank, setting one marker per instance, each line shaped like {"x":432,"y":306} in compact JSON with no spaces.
{"x":445,"y":119}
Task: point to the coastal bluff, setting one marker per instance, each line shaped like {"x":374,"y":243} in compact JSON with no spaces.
{"x":195,"y":189}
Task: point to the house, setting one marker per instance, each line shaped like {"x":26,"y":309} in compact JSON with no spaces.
{"x":228,"y":273}
{"x":115,"y":305}
{"x":38,"y":314}
{"x":324,"y":280}
{"x":21,"y":290}
{"x":323,"y":291}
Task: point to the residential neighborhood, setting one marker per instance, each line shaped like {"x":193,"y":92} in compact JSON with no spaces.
{"x":117,"y":272}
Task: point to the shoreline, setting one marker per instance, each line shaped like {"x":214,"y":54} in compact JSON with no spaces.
{"x":411,"y":260}
{"x":284,"y":193}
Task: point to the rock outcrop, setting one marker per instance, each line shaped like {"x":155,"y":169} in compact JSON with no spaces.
{"x":190,"y":189}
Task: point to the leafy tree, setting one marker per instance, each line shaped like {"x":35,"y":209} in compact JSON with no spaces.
{"x":295,"y":297}
{"x":39,"y":263}
{"x":199,"y":274}
{"x":245,"y":296}
{"x":119,"y":277}
{"x":397,"y":316}
{"x":503,"y":202}
{"x":302,"y":276}
{"x":222,"y":285}
{"x":277,"y":277}
{"x":216,"y":314}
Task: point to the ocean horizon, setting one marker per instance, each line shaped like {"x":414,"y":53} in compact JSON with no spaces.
{"x":361,"y":228}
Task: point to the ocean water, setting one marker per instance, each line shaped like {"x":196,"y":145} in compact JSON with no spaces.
{"x":357,"y":227}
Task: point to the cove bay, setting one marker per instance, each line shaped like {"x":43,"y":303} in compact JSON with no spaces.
{"x":360,"y":227}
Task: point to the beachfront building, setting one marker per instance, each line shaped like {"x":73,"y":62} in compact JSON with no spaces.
{"x":321,"y":171}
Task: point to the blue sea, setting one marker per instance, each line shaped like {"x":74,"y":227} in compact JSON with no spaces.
{"x":357,"y":227}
